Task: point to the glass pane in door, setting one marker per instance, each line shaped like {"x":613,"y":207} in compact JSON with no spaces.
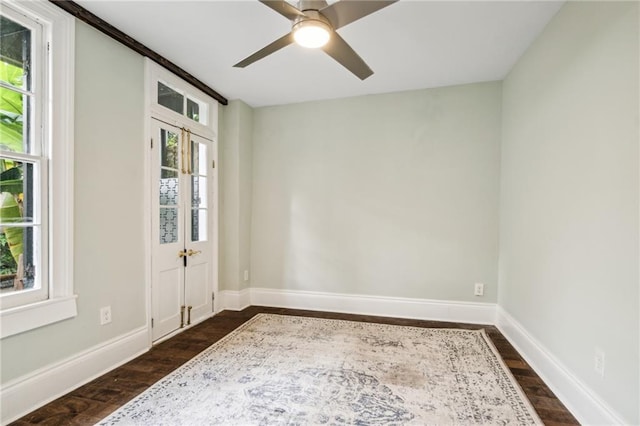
{"x":198,"y":158}
{"x":199,"y":200}
{"x":198,"y":225}
{"x":168,"y":225}
{"x":169,"y":149}
{"x":199,"y":191}
{"x":169,"y":187}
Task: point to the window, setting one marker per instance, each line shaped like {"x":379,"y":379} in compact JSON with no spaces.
{"x":36,"y":168}
{"x":183,"y":104}
{"x":22,"y":160}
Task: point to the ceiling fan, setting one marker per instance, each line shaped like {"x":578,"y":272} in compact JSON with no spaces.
{"x":314,"y":24}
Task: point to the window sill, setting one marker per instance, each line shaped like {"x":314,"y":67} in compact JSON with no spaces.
{"x":24,"y":318}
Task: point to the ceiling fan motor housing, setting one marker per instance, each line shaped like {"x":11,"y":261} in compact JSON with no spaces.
{"x":312,"y":17}
{"x":305,"y":5}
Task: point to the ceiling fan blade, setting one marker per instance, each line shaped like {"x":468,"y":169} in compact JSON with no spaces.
{"x":283,"y":41}
{"x":283,"y":8}
{"x":345,"y":12}
{"x":339,"y":50}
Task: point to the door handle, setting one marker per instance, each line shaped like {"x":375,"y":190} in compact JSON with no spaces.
{"x":183,"y":255}
{"x":193,"y":252}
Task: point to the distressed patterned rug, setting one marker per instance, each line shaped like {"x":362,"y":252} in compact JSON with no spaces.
{"x":278,"y":369}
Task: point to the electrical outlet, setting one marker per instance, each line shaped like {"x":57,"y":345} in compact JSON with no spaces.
{"x":105,"y":315}
{"x":478,"y":289}
{"x":246,"y":275}
{"x":598,"y":362}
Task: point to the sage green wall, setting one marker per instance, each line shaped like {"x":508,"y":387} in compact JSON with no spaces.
{"x":570,"y":193}
{"x":108,"y":214}
{"x":236,"y":126}
{"x":389,"y":195}
{"x":246,"y":186}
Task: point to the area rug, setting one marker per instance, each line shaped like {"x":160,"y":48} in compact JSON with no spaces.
{"x":287,"y":370}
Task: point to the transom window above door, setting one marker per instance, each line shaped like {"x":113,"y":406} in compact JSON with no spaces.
{"x":182,"y":103}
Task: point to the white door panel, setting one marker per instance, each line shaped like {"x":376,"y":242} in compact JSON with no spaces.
{"x":168,"y":296}
{"x":198,"y":296}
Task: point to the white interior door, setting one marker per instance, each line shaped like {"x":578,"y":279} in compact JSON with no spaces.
{"x":182,"y":248}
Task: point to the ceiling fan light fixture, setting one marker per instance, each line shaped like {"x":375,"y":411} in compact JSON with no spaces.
{"x":311,"y":33}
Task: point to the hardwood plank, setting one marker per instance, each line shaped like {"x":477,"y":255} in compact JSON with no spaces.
{"x":97,"y":399}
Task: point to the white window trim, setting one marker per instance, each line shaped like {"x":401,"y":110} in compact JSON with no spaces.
{"x":155,"y":73}
{"x":61,"y":303}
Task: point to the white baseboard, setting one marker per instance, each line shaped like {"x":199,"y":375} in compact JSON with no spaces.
{"x":235,"y":300}
{"x":399,"y":307}
{"x":587,"y":407}
{"x":23,"y":395}
{"x":469,"y":312}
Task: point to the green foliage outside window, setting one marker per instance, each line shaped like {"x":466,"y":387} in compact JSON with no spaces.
{"x":11,"y":173}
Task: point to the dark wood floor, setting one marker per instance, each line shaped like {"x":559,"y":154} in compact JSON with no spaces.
{"x":97,"y":399}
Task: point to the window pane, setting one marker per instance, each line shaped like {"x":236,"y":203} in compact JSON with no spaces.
{"x":19,"y":259}
{"x":198,"y":158}
{"x":168,"y":225}
{"x":198,"y":191}
{"x":170,"y":98}
{"x":198,"y":225}
{"x":15,"y":53}
{"x":14,"y":123}
{"x":20,"y":245}
{"x":195,"y":158}
{"x":169,"y":188}
{"x":193,"y":110}
{"x":16,"y":191}
{"x":169,"y":149}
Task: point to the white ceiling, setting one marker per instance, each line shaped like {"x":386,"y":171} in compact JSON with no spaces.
{"x":409,"y":45}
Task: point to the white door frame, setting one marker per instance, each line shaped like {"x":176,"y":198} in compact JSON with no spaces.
{"x":153,"y":73}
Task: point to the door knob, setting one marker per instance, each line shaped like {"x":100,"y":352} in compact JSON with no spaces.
{"x":183,"y":253}
{"x":192,"y":252}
